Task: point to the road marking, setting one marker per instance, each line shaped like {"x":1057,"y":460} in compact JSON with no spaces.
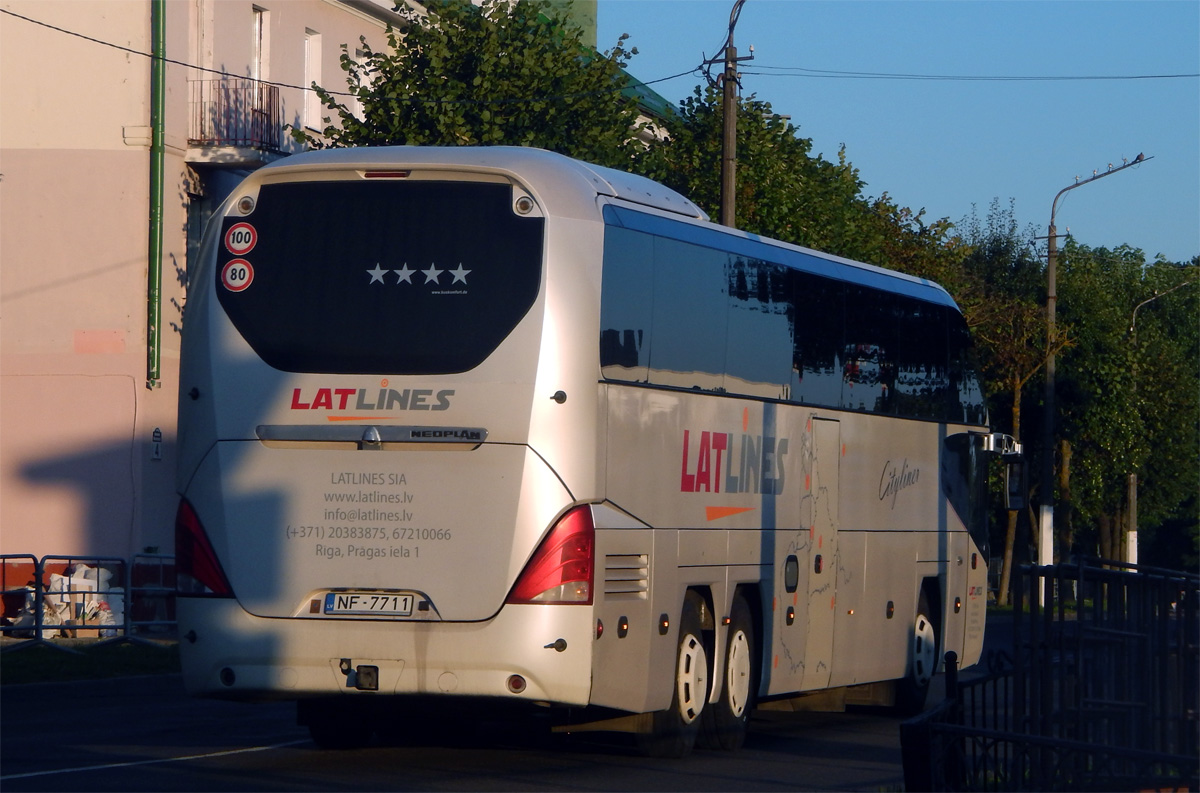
{"x":150,"y":762}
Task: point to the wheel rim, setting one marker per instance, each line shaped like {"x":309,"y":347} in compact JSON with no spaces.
{"x":924,"y":651}
{"x":737,"y":674}
{"x":691,"y":679}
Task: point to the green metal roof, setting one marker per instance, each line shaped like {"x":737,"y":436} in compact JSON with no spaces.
{"x":650,"y":101}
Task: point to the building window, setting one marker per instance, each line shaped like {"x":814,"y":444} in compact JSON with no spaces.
{"x":312,"y":74}
{"x":261,"y":49}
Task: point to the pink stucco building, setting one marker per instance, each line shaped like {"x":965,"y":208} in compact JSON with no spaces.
{"x":88,"y":374}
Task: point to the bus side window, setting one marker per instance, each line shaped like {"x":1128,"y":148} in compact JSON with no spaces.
{"x":759,"y":353}
{"x":691,"y":315}
{"x":869,"y":365}
{"x":626,"y":305}
{"x":818,"y":338}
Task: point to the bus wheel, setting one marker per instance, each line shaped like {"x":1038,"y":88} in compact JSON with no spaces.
{"x":672,"y":732}
{"x":723,"y":725}
{"x":912,"y":691}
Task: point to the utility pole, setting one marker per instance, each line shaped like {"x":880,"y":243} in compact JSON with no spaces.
{"x":1046,"y":516}
{"x":729,"y":129}
{"x":729,"y":119}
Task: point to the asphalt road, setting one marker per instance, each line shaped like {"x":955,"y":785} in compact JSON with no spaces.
{"x":140,"y":734}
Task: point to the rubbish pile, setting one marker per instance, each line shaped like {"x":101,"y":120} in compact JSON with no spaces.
{"x":79,"y":598}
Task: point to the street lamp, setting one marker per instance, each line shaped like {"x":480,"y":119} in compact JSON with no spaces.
{"x":1046,"y":514}
{"x":1131,"y":549}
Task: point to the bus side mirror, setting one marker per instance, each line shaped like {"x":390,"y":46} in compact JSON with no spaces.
{"x":1015,"y":484}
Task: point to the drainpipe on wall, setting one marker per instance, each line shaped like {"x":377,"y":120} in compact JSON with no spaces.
{"x":158,"y":28}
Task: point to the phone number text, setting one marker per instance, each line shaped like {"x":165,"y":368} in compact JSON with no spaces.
{"x":365,"y":533}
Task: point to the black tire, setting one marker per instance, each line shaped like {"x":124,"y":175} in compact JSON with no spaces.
{"x":913,"y":689}
{"x":672,"y":732}
{"x":723,"y":724}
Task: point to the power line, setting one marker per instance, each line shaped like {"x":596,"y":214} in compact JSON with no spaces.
{"x":800,"y":71}
{"x":412,"y":99}
{"x":759,"y":70}
{"x":132,"y":51}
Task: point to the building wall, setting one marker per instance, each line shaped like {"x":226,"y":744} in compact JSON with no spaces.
{"x":78,"y":473}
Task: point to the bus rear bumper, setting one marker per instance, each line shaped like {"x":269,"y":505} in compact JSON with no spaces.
{"x":228,"y":653}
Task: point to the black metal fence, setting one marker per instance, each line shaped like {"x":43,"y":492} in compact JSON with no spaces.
{"x":237,"y":112}
{"x":105,"y":598}
{"x":1101,"y":691}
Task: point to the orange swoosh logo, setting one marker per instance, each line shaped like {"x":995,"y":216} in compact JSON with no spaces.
{"x":716,"y":513}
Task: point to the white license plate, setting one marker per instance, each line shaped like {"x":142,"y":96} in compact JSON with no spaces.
{"x":381,"y":603}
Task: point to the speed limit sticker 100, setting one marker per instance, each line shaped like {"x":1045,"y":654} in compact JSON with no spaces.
{"x":237,"y":275}
{"x":241,"y":238}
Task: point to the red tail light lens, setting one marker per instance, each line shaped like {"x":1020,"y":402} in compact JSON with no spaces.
{"x":562,"y":569}
{"x":197,"y":570}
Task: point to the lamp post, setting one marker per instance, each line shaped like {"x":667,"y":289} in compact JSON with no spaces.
{"x":1131,"y":546}
{"x":1046,"y":513}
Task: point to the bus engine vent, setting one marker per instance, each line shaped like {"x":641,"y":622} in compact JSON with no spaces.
{"x":626,"y":575}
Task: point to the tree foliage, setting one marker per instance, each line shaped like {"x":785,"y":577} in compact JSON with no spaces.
{"x":784,"y":191}
{"x":499,"y":73}
{"x":1128,"y":387}
{"x":1001,"y":298}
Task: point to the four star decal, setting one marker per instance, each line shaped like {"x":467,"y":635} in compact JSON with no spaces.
{"x":432,"y":274}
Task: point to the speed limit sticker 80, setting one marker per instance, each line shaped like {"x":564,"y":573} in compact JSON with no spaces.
{"x":237,"y":275}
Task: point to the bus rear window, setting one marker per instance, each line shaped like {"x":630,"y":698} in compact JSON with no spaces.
{"x":389,"y":277}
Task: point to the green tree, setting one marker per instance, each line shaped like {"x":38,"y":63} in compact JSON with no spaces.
{"x":499,"y":73}
{"x":904,"y":241}
{"x":782,"y":191}
{"x":1164,"y":339}
{"x":1128,"y":388}
{"x":1002,"y":291}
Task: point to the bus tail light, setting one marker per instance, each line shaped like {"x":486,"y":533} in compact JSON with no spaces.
{"x":563,"y":567}
{"x":197,"y":570}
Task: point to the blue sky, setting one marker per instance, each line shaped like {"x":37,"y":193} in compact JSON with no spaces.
{"x":945,"y":145}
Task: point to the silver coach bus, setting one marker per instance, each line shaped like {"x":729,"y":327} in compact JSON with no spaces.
{"x":467,"y":426}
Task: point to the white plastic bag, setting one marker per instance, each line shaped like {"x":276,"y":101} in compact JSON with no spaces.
{"x":106,"y":619}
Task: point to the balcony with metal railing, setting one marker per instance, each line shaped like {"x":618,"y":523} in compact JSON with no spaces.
{"x":235,"y":122}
